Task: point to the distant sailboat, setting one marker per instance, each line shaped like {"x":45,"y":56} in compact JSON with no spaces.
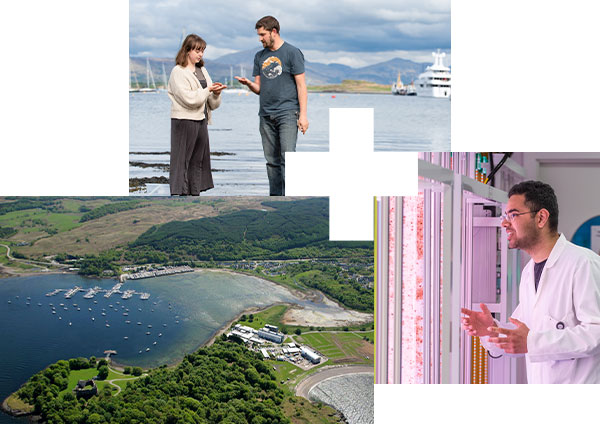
{"x":231,"y":90}
{"x":131,"y":90}
{"x":164,"y":74}
{"x":150,"y":85}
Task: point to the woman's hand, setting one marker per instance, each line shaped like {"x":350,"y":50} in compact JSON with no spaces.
{"x":216,"y":88}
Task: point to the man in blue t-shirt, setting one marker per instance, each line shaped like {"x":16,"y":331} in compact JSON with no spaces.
{"x":280,"y":82}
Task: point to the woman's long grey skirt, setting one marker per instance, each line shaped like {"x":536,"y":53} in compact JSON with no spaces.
{"x":190,"y":157}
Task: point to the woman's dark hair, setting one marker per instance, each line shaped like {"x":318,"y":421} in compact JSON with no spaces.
{"x":539,"y":195}
{"x":269,"y":23}
{"x":191,"y":42}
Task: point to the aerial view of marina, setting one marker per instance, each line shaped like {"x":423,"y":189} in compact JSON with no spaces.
{"x":303,"y":307}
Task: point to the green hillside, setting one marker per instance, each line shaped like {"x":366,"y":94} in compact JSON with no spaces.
{"x":285,"y":231}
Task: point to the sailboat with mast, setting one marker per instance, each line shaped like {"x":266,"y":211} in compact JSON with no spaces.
{"x":164,"y":75}
{"x":243,"y":89}
{"x":150,"y":84}
{"x":137,"y":85}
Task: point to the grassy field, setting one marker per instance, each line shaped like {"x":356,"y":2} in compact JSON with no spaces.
{"x":301,"y":411}
{"x":284,"y":280}
{"x":17,"y":404}
{"x":3,"y":259}
{"x":284,"y":370}
{"x":24,"y":221}
{"x":123,"y":384}
{"x":340,"y":347}
{"x":74,"y":205}
{"x":369,"y":335}
{"x":272,"y":316}
{"x":75,"y":376}
{"x":13,"y":265}
{"x":86,"y":374}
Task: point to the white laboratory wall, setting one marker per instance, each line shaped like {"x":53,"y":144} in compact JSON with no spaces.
{"x":575,"y":178}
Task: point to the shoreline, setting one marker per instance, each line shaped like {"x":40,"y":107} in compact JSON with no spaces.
{"x":221,"y":330}
{"x":334,"y":91}
{"x":17,"y":413}
{"x":32,"y":274}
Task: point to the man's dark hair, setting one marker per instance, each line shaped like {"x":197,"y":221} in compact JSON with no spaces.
{"x":269,"y":23}
{"x":539,"y":195}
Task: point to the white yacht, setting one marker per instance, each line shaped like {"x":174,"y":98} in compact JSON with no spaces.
{"x":435,"y":81}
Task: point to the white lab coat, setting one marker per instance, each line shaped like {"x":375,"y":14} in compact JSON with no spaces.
{"x":563,"y":317}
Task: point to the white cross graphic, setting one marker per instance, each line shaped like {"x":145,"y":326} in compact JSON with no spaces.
{"x":351,"y":174}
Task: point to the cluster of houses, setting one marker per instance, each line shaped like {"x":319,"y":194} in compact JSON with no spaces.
{"x":270,"y":334}
{"x":157,"y":272}
{"x":275,"y":268}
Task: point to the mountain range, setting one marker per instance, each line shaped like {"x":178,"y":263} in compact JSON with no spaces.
{"x":242,"y":63}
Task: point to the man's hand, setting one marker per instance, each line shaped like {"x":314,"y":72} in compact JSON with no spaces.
{"x":515,"y":340}
{"x":478,"y":323}
{"x":302,"y":123}
{"x":244,"y":81}
{"x":254,"y":86}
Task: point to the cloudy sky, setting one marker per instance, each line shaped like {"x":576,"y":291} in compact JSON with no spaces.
{"x":351,"y":32}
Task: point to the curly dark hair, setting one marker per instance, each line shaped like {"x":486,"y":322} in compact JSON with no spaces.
{"x":269,"y":23}
{"x":539,"y":195}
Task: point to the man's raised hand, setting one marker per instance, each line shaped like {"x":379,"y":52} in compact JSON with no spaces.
{"x":478,"y":323}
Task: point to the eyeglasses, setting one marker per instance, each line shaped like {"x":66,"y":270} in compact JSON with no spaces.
{"x":512,"y":215}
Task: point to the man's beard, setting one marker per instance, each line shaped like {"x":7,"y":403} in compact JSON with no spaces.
{"x":529,"y":240}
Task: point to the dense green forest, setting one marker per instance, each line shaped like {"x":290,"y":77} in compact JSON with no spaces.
{"x":296,"y":229}
{"x":223,"y":383}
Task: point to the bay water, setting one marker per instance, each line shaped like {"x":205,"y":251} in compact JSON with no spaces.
{"x":342,"y":393}
{"x":401,"y":124}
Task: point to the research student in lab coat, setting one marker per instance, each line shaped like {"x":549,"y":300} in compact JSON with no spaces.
{"x":557,"y":322}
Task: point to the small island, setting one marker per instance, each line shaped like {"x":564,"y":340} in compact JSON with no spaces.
{"x":352,"y":86}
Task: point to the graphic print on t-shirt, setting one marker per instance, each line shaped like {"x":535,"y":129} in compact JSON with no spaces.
{"x":272,"y":68}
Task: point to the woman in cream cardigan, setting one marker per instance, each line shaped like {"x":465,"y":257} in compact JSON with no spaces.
{"x":193,"y":95}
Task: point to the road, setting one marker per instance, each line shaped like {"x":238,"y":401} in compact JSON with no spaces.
{"x":128,"y":378}
{"x":30,"y":262}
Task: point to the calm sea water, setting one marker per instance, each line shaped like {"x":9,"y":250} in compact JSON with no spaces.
{"x":187,"y":309}
{"x":341,"y":393}
{"x":401,"y":124}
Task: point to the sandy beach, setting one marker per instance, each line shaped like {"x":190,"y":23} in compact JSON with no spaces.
{"x":302,"y":317}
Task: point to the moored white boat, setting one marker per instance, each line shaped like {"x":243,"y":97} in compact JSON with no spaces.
{"x":435,"y":81}
{"x":400,"y":89}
